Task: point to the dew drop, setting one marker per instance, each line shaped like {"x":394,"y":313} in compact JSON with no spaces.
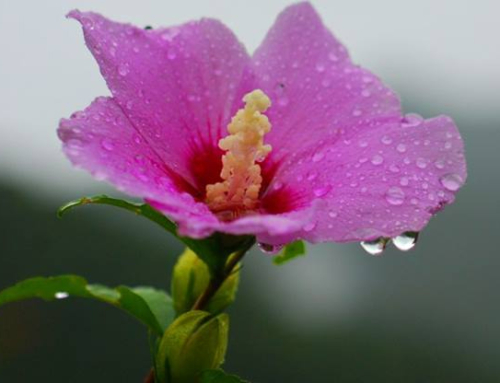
{"x":406,"y":241}
{"x":269,"y":249}
{"x":401,"y":148}
{"x":107,"y":144}
{"x":395,"y":196}
{"x":61,"y":295}
{"x":277,"y":185}
{"x":322,"y":191}
{"x":439,"y":164}
{"x":375,"y":247}
{"x":412,"y":120}
{"x":363,"y":144}
{"x":386,"y":140}
{"x":171,"y":55}
{"x":365,"y":93}
{"x":123,"y":69}
{"x":318,"y":157}
{"x":452,"y":181}
{"x":310,"y":226}
{"x":356,"y":112}
{"x":333,"y":214}
{"x":377,"y":159}
{"x":333,"y":57}
{"x":320,"y":67}
{"x":421,"y":163}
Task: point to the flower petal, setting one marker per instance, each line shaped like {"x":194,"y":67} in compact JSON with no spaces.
{"x":382,"y":182}
{"x":102,"y":140}
{"x":317,"y":92}
{"x":272,"y":229}
{"x":178,"y":86}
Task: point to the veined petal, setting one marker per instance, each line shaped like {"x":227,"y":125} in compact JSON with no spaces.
{"x":318,"y":94}
{"x":382,"y":182}
{"x":102,"y":140}
{"x":178,"y":86}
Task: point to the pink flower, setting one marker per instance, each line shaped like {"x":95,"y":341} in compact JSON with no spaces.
{"x":345,"y":164}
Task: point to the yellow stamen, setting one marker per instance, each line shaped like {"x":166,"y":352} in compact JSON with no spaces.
{"x":244,"y":146}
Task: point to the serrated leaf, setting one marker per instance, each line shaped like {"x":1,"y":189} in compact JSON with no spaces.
{"x":291,"y":251}
{"x":219,"y":376}
{"x":213,"y":250}
{"x":152,"y":307}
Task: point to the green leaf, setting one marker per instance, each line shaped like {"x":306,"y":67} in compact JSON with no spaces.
{"x":291,"y":251}
{"x":152,"y":307}
{"x":213,"y":250}
{"x":219,"y":376}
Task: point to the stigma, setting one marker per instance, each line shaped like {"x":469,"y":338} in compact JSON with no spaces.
{"x":238,"y":192}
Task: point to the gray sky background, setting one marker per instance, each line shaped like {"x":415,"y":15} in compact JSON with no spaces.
{"x":443,"y":54}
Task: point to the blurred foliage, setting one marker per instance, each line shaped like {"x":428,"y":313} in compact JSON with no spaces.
{"x":80,"y":341}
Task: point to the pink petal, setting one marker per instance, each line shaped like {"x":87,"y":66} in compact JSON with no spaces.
{"x":102,"y":140}
{"x":178,"y":86}
{"x":329,"y":119}
{"x":317,"y":92}
{"x":383,"y":181}
{"x":273,"y":229}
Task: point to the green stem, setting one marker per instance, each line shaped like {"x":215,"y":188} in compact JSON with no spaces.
{"x":218,"y":279}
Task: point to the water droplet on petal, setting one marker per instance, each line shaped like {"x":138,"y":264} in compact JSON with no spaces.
{"x":107,"y":144}
{"x":377,"y":159}
{"x":412,"y":120}
{"x":318,"y":157}
{"x":61,"y":295}
{"x":171,"y":55}
{"x":310,"y":226}
{"x":452,"y":181}
{"x":269,"y":249}
{"x":421,"y":163}
{"x":386,"y":140}
{"x":333,"y":214}
{"x":406,"y":241}
{"x":395,"y":196}
{"x":375,"y":247}
{"x":401,"y":148}
{"x":123,"y":69}
{"x":320,"y":67}
{"x":322,"y":191}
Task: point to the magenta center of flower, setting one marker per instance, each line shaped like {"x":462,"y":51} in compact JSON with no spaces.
{"x":238,"y":192}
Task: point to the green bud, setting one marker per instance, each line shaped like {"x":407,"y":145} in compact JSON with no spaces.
{"x":190,"y":279}
{"x":195,"y":342}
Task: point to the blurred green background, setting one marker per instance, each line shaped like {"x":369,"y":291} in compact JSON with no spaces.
{"x":339,"y":315}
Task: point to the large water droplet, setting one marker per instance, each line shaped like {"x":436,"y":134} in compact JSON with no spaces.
{"x":395,"y":195}
{"x":375,"y":247}
{"x":406,"y":241}
{"x":61,"y":295}
{"x":269,"y":249}
{"x":452,"y":181}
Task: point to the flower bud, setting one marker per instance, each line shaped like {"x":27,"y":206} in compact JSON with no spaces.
{"x":190,"y":279}
{"x":195,"y":342}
